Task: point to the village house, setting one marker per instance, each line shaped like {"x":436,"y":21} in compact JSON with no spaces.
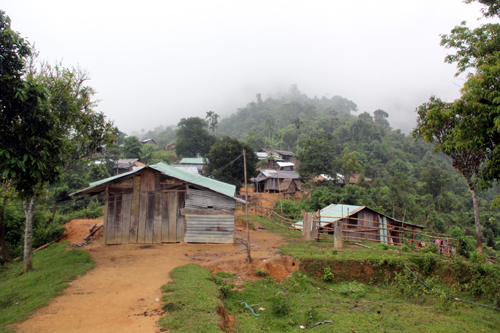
{"x":150,"y":142}
{"x":286,"y":182}
{"x":162,"y":204}
{"x":283,"y":155}
{"x":363,"y":223}
{"x":197,"y":162}
{"x":127,"y":164}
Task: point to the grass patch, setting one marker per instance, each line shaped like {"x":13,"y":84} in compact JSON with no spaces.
{"x":21,"y":294}
{"x":191,"y":300}
{"x":350,"y":306}
{"x":273,"y":227}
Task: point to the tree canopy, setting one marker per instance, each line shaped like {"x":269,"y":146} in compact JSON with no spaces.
{"x":225,"y":161}
{"x":193,"y":138}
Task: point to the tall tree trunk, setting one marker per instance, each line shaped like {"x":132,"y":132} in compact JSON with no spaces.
{"x":477,"y":221}
{"x":5,"y":252}
{"x":29,"y":210}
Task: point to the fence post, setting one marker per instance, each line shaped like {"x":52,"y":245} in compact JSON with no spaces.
{"x":306,"y":226}
{"x":337,"y":242}
{"x":314,"y":227}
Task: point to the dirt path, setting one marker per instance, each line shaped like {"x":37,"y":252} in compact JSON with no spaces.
{"x":122,"y":293}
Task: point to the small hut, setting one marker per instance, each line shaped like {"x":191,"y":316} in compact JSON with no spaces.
{"x":363,"y":223}
{"x":163,"y":204}
{"x":277,"y":181}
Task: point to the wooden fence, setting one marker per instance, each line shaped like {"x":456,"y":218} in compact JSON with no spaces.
{"x":377,"y":232}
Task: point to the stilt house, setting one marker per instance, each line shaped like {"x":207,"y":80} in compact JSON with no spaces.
{"x":163,"y":204}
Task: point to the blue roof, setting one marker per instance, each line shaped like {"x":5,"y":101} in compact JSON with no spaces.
{"x":336,"y":212}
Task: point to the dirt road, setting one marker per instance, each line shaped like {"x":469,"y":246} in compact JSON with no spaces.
{"x":122,"y":294}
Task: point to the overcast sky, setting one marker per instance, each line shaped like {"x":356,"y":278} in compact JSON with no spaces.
{"x":155,"y":62}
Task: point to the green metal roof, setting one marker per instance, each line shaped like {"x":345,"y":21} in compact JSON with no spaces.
{"x":335,"y":212}
{"x":211,"y":184}
{"x":192,"y":160}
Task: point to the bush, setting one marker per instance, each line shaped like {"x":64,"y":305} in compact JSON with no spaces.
{"x":279,"y":305}
{"x":261,"y":272}
{"x":327,"y":274}
{"x":353,"y":289}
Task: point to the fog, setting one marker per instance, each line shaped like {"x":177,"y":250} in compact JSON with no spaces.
{"x":155,"y":62}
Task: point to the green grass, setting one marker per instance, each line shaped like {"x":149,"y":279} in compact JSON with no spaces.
{"x":273,"y":227}
{"x":191,"y":301}
{"x":350,"y":305}
{"x":21,"y":294}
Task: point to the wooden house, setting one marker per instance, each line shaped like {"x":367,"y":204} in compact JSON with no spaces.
{"x":162,"y":204}
{"x":283,"y":155}
{"x":363,"y":223}
{"x":170,"y":146}
{"x":287,"y":182}
{"x":150,"y":142}
{"x":197,"y":162}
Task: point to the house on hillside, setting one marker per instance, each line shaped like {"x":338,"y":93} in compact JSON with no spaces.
{"x":127,"y":164}
{"x":170,"y":146}
{"x":363,"y":223}
{"x":286,"y":182}
{"x":162,"y":204}
{"x":149,"y":142}
{"x":197,"y":162}
{"x":283,"y":155}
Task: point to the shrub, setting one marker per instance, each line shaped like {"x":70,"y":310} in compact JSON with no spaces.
{"x":353,"y":289}
{"x":327,"y":274}
{"x":261,"y":272}
{"x":279,"y":305}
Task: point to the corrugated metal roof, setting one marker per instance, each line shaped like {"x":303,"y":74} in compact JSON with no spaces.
{"x":102,"y":181}
{"x":187,"y":168}
{"x":285,"y":164}
{"x":264,"y":155}
{"x":192,"y":160}
{"x":265,"y":174}
{"x":212,"y":184}
{"x":336,"y":212}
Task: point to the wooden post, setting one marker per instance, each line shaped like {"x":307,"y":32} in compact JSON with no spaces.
{"x":246,"y":206}
{"x":338,"y":225}
{"x":306,"y":226}
{"x":314,"y":227}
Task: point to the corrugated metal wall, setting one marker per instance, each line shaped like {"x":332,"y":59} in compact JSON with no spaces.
{"x":209,"y":228}
{"x":198,"y":199}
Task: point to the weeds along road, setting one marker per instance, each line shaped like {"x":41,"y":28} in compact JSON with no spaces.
{"x":123,"y":292}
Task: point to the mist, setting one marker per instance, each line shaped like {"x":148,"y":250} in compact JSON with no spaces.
{"x":154,"y":63}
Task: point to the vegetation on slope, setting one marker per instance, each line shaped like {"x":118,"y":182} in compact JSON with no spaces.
{"x":21,"y":294}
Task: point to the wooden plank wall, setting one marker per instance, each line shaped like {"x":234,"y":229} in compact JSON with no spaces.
{"x":145,"y":209}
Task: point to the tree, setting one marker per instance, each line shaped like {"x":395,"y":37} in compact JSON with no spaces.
{"x":269,"y":123}
{"x":316,"y":156}
{"x":46,"y":123}
{"x":193,"y":138}
{"x":467,"y":130}
{"x":297,"y":122}
{"x":349,"y":165}
{"x":381,"y":118}
{"x":132,"y":147}
{"x":437,"y":122}
{"x":226,"y":161}
{"x":212,"y":120}
{"x":146,"y":153}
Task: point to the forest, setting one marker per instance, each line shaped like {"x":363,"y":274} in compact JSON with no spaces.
{"x":425,"y":178}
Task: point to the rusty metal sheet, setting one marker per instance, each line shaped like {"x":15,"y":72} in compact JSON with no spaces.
{"x":209,"y":228}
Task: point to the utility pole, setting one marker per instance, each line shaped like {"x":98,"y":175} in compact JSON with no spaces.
{"x":246,"y":206}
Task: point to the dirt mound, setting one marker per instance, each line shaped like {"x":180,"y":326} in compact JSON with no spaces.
{"x":278,"y":267}
{"x":77,"y":230}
